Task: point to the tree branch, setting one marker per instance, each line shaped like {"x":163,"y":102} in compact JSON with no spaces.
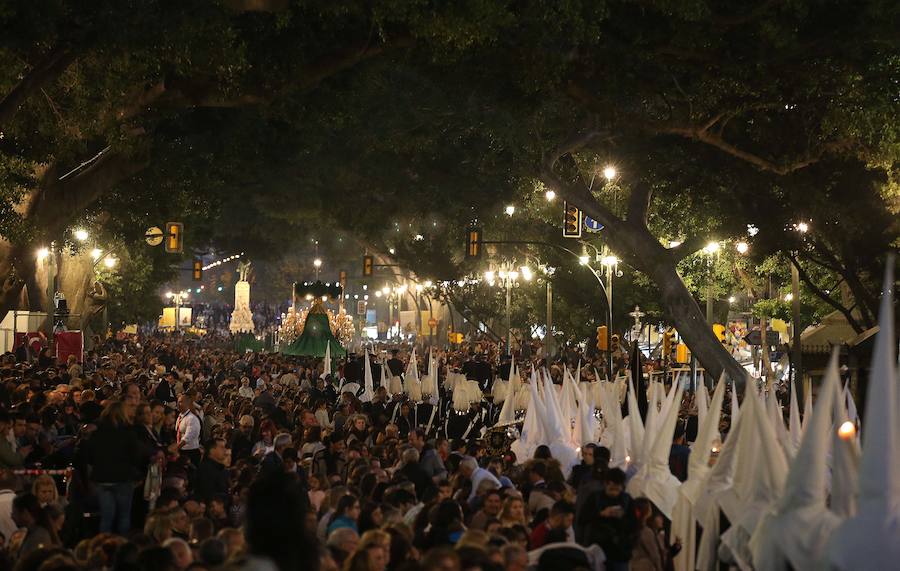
{"x":687,"y":247}
{"x":847,"y":313}
{"x":705,"y":134}
{"x":58,"y":200}
{"x":639,"y":203}
{"x":50,"y":67}
{"x":185,"y":92}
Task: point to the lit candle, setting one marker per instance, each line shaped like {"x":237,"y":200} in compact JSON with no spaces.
{"x":847,"y":430}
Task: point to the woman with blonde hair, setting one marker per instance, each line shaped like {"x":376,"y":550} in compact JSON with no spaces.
{"x":513,"y":512}
{"x":377,"y":537}
{"x":44,"y":487}
{"x":158,"y":526}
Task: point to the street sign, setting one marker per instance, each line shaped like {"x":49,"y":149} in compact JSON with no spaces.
{"x":154,"y":236}
{"x":432,"y":323}
{"x":592,"y":225}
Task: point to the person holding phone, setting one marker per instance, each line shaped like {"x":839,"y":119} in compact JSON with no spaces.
{"x":607,"y":520}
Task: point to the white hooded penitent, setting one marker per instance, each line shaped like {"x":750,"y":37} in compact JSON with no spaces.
{"x":795,"y":531}
{"x":871,"y":539}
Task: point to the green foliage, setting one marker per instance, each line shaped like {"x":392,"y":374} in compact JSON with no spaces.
{"x":772,"y":309}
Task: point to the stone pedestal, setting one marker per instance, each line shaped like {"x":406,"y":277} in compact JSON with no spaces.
{"x":242,"y":317}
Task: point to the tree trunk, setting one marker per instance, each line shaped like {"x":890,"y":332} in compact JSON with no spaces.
{"x":691,"y":323}
{"x":632,"y":240}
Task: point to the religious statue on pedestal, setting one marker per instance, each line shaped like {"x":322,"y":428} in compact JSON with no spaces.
{"x":242,"y":317}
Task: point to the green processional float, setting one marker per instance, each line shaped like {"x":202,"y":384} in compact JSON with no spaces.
{"x":308,"y":332}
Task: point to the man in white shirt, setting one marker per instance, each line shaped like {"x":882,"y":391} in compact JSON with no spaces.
{"x":7,"y":494}
{"x":470,"y":469}
{"x":187,"y":429}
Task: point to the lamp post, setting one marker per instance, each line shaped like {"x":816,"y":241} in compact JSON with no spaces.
{"x":508,"y":275}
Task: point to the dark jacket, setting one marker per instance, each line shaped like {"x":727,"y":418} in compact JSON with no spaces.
{"x":211,"y":480}
{"x":114,"y":454}
{"x":164,"y":392}
{"x":415,"y":474}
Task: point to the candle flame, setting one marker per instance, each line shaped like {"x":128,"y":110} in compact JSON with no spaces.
{"x":847,"y":430}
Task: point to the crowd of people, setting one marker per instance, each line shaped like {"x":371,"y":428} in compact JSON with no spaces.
{"x":173,"y":454}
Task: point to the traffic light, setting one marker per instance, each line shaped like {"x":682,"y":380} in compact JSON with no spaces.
{"x":174,"y":237}
{"x":368,"y":266}
{"x":198,"y":270}
{"x":572,"y":221}
{"x":682,"y":354}
{"x":473,"y":242}
{"x":602,"y":338}
{"x":614,"y":343}
{"x":667,"y":345}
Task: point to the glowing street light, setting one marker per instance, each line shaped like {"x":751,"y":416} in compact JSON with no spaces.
{"x":42,"y":253}
{"x":510,"y":210}
{"x":526,"y":273}
{"x":81,"y":234}
{"x":110,"y":262}
{"x":802,"y":227}
{"x":96,"y":253}
{"x":742,"y":247}
{"x":732,"y":299}
{"x":711,"y":248}
{"x":489,"y":275}
{"x":609,"y":260}
{"x":789,"y":297}
{"x":317,"y":263}
{"x":378,"y":293}
{"x":583,"y":260}
{"x":609,"y":172}
{"x":550,"y":195}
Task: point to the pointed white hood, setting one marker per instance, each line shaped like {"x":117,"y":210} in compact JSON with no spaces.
{"x":327,"y":361}
{"x":797,"y":528}
{"x":795,"y":428}
{"x":874,"y":533}
{"x":684,"y":518}
{"x":508,"y":412}
{"x":654,"y":479}
{"x":368,"y":382}
{"x":635,"y":425}
{"x":845,"y":461}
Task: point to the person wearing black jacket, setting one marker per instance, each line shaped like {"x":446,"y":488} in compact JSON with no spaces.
{"x":212,"y":478}
{"x":114,"y":456}
{"x":165,"y":391}
{"x":394,"y":364}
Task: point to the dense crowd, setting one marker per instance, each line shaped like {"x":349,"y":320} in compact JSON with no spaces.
{"x":170,"y":454}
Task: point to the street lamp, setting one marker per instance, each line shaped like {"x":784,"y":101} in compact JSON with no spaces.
{"x":742,"y":247}
{"x":80,"y":234}
{"x":110,"y":262}
{"x":583,"y":260}
{"x":711,"y":248}
{"x":42,"y":253}
{"x":96,"y":253}
{"x":550,"y":195}
{"x":508,"y":276}
{"x":609,"y":172}
{"x":510,"y":210}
